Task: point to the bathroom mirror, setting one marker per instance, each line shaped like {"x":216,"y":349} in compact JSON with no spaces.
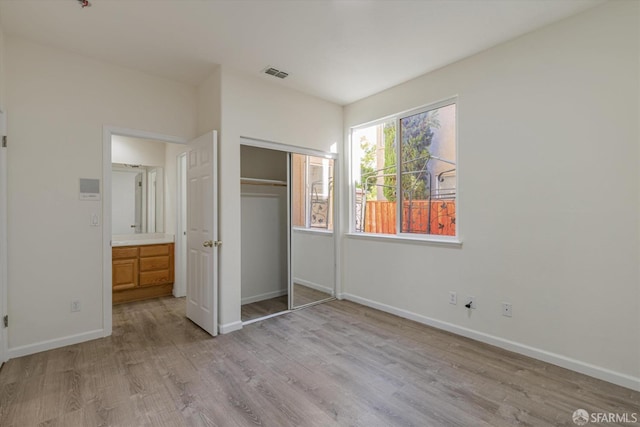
{"x":137,"y":194}
{"x":312,"y":240}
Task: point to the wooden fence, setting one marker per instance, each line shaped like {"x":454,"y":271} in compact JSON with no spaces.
{"x":380,"y":217}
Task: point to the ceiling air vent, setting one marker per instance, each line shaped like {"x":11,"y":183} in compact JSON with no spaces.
{"x":275,"y":72}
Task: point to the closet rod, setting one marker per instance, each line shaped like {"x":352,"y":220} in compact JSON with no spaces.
{"x":258,"y":181}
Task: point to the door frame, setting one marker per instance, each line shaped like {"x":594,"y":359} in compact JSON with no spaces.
{"x":4,"y":246}
{"x":289,"y":149}
{"x":107,"y":133}
{"x":180,"y":283}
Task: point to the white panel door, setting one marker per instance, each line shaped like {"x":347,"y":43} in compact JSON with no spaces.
{"x":202,"y":232}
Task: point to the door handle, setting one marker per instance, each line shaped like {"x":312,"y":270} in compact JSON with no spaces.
{"x":207,"y":243}
{"x":217,"y":243}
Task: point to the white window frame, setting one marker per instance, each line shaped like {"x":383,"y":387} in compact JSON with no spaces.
{"x":399,"y":235}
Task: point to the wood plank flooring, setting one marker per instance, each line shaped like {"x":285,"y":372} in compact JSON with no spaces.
{"x":263,"y":308}
{"x":333,"y":364}
{"x":301,"y":295}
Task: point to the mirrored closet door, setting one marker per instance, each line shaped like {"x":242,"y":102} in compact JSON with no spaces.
{"x":312,"y":242}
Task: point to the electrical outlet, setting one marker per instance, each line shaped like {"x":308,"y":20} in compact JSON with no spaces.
{"x":75,"y":305}
{"x":453,"y":298}
{"x":507,"y":310}
{"x":471,"y":303}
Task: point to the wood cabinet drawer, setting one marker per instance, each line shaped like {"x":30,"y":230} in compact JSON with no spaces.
{"x":154,"y":263}
{"x":149,"y":278}
{"x":124,"y":252}
{"x":154,"y":250}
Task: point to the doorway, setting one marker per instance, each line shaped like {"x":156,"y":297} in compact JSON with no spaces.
{"x":264,"y":232}
{"x":288,"y":243}
{"x":168,"y":197}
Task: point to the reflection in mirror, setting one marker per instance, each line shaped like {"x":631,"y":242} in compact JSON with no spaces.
{"x":312,"y":244}
{"x":137,"y":195}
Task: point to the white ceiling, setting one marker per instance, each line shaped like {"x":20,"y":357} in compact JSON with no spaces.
{"x":339,"y":50}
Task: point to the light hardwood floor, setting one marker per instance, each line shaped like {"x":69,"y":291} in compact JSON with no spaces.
{"x":263,"y":308}
{"x":302,"y":295}
{"x":333,"y":364}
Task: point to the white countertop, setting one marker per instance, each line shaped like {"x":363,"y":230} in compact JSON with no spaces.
{"x":140,"y":239}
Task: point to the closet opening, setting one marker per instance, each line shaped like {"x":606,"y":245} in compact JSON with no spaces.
{"x":287,"y":222}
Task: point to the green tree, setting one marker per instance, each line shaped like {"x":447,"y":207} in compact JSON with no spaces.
{"x":416,"y":135}
{"x":390,"y":162}
{"x":367,"y":168}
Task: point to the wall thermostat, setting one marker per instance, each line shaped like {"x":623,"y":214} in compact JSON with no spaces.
{"x":89,"y":189}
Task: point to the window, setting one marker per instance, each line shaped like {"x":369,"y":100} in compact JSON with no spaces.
{"x":417,"y":194}
{"x":312,"y":192}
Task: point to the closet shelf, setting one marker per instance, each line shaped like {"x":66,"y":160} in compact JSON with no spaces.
{"x":258,"y":181}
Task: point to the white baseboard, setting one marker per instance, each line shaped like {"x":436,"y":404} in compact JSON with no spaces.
{"x":313,"y":285}
{"x":605,"y":374}
{"x":230,"y":327}
{"x":54,"y":343}
{"x":26,"y":350}
{"x":262,"y":297}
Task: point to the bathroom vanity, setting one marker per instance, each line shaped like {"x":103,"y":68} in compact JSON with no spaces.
{"x":142,"y":266}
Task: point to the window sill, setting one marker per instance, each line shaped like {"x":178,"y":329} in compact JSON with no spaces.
{"x":431,"y":240}
{"x":313,"y":231}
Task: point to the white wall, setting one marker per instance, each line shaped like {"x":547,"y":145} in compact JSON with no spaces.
{"x":264,"y":242}
{"x":3,"y":67}
{"x":549,"y":198}
{"x":60,"y":102}
{"x":313,"y":259}
{"x":137,"y":151}
{"x":255,"y":107}
{"x":208,"y":101}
